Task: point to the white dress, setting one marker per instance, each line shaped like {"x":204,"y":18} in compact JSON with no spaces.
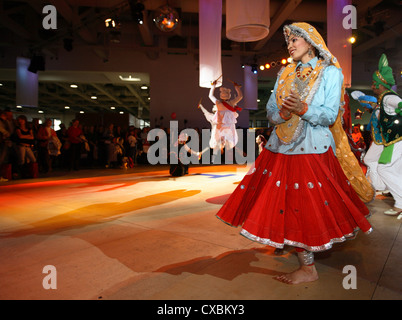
{"x":223,"y":127}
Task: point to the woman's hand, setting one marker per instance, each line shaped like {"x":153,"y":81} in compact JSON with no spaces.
{"x":285,"y":113}
{"x":294,"y":105}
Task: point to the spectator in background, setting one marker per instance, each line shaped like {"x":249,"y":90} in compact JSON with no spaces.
{"x":5,"y":143}
{"x":44,"y":136}
{"x":10,"y":121}
{"x":109,"y":138}
{"x":73,"y":133}
{"x":261,"y":142}
{"x":62,"y":135}
{"x":92,"y":138}
{"x":25,"y":143}
{"x":132,"y":145}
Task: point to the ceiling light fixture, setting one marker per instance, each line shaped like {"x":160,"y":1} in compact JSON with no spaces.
{"x":110,"y":23}
{"x":129,"y":78}
{"x":73,"y":86}
{"x":136,"y":11}
{"x":254,"y":68}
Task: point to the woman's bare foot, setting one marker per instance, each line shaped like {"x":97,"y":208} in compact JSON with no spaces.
{"x":301,"y":275}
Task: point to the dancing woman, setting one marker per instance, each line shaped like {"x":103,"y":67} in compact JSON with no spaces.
{"x":297,"y":194}
{"x":224,"y":118}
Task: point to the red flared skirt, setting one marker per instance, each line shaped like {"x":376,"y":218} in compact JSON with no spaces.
{"x":302,"y":200}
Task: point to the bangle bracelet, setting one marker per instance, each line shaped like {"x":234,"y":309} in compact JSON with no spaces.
{"x":304,"y":110}
{"x":283,"y":116}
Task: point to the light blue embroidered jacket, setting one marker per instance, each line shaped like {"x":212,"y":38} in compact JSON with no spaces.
{"x":322,"y":112}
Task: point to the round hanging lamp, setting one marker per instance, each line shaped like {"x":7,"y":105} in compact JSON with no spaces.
{"x":247,"y":20}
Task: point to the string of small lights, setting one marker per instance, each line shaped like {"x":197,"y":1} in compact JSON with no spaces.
{"x":278,"y":63}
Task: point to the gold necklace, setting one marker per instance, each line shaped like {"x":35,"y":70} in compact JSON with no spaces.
{"x":382,"y":96}
{"x":303,"y":77}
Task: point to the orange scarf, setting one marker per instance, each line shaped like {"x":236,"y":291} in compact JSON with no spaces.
{"x":287,"y":130}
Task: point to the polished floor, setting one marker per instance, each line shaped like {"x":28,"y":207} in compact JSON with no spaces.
{"x":140,"y":234}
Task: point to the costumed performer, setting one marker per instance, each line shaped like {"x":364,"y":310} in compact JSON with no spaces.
{"x":297,"y":193}
{"x":384,"y":158}
{"x":369,"y":103}
{"x":178,"y":168}
{"x":212,"y":119}
{"x":225,"y":135}
{"x":261,"y":142}
{"x":357,"y":145}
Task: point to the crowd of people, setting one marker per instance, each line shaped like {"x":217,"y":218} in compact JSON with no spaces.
{"x":28,"y":148}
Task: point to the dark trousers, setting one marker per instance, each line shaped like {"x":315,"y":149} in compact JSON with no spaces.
{"x":75,"y":156}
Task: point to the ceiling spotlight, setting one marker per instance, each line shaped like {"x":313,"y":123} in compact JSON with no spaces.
{"x":66,"y":107}
{"x":37,"y":63}
{"x":144,"y":87}
{"x":73,"y":86}
{"x":254,"y":68}
{"x":352,"y":39}
{"x":94,"y":97}
{"x":290,"y":60}
{"x":267,"y":66}
{"x":110,"y":23}
{"x":262,"y":67}
{"x":82,"y":111}
{"x":136,"y":11}
{"x":166,"y":18}
{"x":284,"y":61}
